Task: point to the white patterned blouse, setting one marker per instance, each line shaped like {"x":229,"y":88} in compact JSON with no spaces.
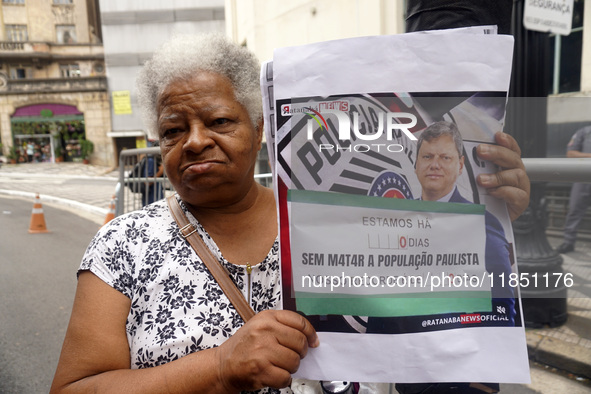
{"x":176,"y":305}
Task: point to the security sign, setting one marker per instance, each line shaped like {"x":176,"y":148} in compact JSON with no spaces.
{"x":554,"y":16}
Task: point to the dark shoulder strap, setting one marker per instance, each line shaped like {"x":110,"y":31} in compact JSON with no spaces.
{"x":189,"y":232}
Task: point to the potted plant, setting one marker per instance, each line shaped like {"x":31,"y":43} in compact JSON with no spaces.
{"x":12,"y":155}
{"x":86,"y":149}
{"x":59,"y":153}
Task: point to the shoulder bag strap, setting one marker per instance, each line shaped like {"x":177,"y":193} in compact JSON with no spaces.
{"x":189,"y":232}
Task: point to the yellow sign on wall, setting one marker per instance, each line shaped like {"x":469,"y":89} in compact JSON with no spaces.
{"x":140,"y":142}
{"x":121,"y":102}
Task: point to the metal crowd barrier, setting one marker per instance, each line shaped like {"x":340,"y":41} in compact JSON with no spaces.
{"x":558,"y":169}
{"x":558,"y":174}
{"x":139,"y":184}
{"x":138,"y":188}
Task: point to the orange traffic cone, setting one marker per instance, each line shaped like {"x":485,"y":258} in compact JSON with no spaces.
{"x":37,"y":218}
{"x":111,"y":214}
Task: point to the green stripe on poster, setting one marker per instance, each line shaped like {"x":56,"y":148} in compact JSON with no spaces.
{"x":351,"y":200}
{"x":401,"y":305}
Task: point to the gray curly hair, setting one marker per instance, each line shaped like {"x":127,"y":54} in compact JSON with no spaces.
{"x":184,"y":55}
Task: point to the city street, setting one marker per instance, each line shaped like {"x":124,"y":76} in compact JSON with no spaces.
{"x":37,"y":288}
{"x":82,"y":183}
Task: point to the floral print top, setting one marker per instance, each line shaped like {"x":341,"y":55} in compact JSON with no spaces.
{"x":176,"y":305}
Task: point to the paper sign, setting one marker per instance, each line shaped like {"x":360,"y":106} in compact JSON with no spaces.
{"x":401,"y":267}
{"x":549,"y":16}
{"x":121,"y":102}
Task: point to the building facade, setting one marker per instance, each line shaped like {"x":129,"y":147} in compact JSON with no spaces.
{"x":144,"y":25}
{"x":53,"y":88}
{"x":264,"y":25}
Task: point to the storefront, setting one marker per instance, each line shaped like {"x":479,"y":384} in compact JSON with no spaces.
{"x":47,"y":133}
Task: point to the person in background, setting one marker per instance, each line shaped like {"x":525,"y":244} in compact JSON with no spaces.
{"x":153,"y":190}
{"x":30,"y":149}
{"x":580,"y":195}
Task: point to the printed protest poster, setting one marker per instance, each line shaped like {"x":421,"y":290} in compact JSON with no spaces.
{"x":388,"y":245}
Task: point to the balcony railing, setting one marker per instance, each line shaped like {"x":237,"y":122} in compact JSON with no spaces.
{"x":44,"y":53}
{"x":12,"y":46}
{"x":55,"y":85}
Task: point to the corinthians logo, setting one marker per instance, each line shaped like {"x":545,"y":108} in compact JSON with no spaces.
{"x":372,"y":145}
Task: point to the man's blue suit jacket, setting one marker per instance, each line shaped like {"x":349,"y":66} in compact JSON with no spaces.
{"x":497,"y":260}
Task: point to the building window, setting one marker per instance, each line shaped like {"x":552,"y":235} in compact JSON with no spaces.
{"x":99,"y":68}
{"x":20,"y":72}
{"x":63,"y":1}
{"x":66,"y":34}
{"x":566,"y":54}
{"x":13,"y":1}
{"x":16,"y":33}
{"x":70,"y":70}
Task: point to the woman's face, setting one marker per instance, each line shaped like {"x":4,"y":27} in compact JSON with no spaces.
{"x":209,"y":146}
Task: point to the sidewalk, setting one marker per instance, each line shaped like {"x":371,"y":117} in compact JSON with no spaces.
{"x":567,"y":348}
{"x":59,"y":169}
{"x":82,"y":188}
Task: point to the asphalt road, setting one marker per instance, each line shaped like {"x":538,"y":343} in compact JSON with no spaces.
{"x":37,"y":285}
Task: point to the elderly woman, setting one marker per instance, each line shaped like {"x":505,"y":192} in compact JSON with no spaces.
{"x":148,"y":316}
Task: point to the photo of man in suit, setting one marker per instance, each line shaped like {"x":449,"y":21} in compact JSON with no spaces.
{"x":439,"y":163}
